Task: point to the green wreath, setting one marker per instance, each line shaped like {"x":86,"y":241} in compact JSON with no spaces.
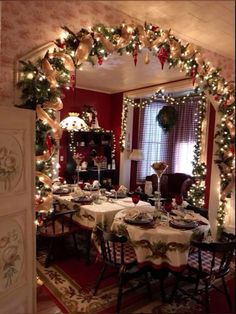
{"x":167,"y":118}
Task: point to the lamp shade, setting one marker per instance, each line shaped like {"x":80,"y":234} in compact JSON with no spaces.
{"x":73,"y":123}
{"x":136,"y":155}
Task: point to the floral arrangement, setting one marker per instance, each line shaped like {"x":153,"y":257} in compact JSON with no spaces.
{"x":98,"y":160}
{"x":159,"y":167}
{"x":78,"y":157}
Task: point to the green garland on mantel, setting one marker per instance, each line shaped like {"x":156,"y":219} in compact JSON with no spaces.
{"x":42,"y":81}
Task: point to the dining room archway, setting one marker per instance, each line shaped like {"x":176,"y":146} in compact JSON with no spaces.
{"x":46,"y":77}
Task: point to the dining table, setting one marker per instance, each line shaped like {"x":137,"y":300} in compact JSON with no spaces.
{"x":100,"y":212}
{"x":162,"y":242}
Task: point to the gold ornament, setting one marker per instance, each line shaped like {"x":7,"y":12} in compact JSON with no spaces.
{"x":146,"y":58}
{"x":84,"y":48}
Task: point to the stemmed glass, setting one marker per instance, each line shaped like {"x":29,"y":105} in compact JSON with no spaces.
{"x":168,"y":208}
{"x":179,"y":200}
{"x":74,"y":178}
{"x":135,"y":199}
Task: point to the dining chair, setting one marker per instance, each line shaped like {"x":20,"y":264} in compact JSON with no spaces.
{"x":58,"y":225}
{"x":116,"y":253}
{"x":207,"y":263}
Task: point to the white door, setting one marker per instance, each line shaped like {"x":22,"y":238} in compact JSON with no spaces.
{"x":17,"y":230}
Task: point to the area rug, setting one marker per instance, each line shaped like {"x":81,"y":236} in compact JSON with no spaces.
{"x":70,"y":283}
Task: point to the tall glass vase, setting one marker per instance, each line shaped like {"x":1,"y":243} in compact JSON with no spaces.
{"x":78,"y":170}
{"x":159,"y":168}
{"x":99,"y":170}
{"x":158,"y":203}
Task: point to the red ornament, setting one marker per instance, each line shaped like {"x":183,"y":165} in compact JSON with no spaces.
{"x":100,"y":60}
{"x":135,"y":55}
{"x":193,"y":74}
{"x":162,"y":56}
{"x":48,"y":143}
{"x":217,"y":98}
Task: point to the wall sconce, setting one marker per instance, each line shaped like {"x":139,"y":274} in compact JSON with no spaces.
{"x":136,"y":155}
{"x":73,"y":123}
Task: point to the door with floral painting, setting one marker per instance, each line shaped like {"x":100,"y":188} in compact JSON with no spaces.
{"x":17,"y":231}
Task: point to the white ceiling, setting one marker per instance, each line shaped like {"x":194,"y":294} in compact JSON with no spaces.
{"x":209,"y":24}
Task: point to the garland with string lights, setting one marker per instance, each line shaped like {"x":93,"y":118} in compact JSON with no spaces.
{"x":41,"y":83}
{"x":197,"y":190}
{"x":160,"y":94}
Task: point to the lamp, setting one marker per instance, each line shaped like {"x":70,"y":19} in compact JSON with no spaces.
{"x":73,"y":123}
{"x":136,"y":155}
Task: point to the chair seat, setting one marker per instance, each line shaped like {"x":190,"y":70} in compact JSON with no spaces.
{"x":48,"y":231}
{"x":206,"y":261}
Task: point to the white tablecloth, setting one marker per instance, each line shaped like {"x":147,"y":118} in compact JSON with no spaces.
{"x":91,"y":215}
{"x":160,"y":245}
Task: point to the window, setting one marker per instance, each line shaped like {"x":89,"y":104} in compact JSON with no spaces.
{"x":175,"y":147}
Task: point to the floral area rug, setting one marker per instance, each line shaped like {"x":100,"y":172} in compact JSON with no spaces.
{"x":71,"y":282}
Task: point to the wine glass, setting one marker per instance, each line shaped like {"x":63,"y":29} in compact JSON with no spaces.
{"x":135,"y":198}
{"x":179,"y":200}
{"x":168,"y":208}
{"x":74,"y":176}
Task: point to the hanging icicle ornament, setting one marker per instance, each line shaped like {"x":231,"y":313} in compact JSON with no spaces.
{"x":193,"y":74}
{"x":135,"y":54}
{"x":162,"y":56}
{"x":48,"y":142}
{"x":100,"y":60}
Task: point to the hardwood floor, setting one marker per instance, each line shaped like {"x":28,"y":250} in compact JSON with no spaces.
{"x":45,"y":304}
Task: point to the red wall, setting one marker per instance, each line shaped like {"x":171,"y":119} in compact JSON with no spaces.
{"x":108,"y":107}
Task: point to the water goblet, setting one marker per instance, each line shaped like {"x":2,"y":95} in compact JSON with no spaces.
{"x":179,"y":200}
{"x":168,"y":208}
{"x":135,"y":199}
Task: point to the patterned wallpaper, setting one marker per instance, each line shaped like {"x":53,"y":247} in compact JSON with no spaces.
{"x":26,"y":25}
